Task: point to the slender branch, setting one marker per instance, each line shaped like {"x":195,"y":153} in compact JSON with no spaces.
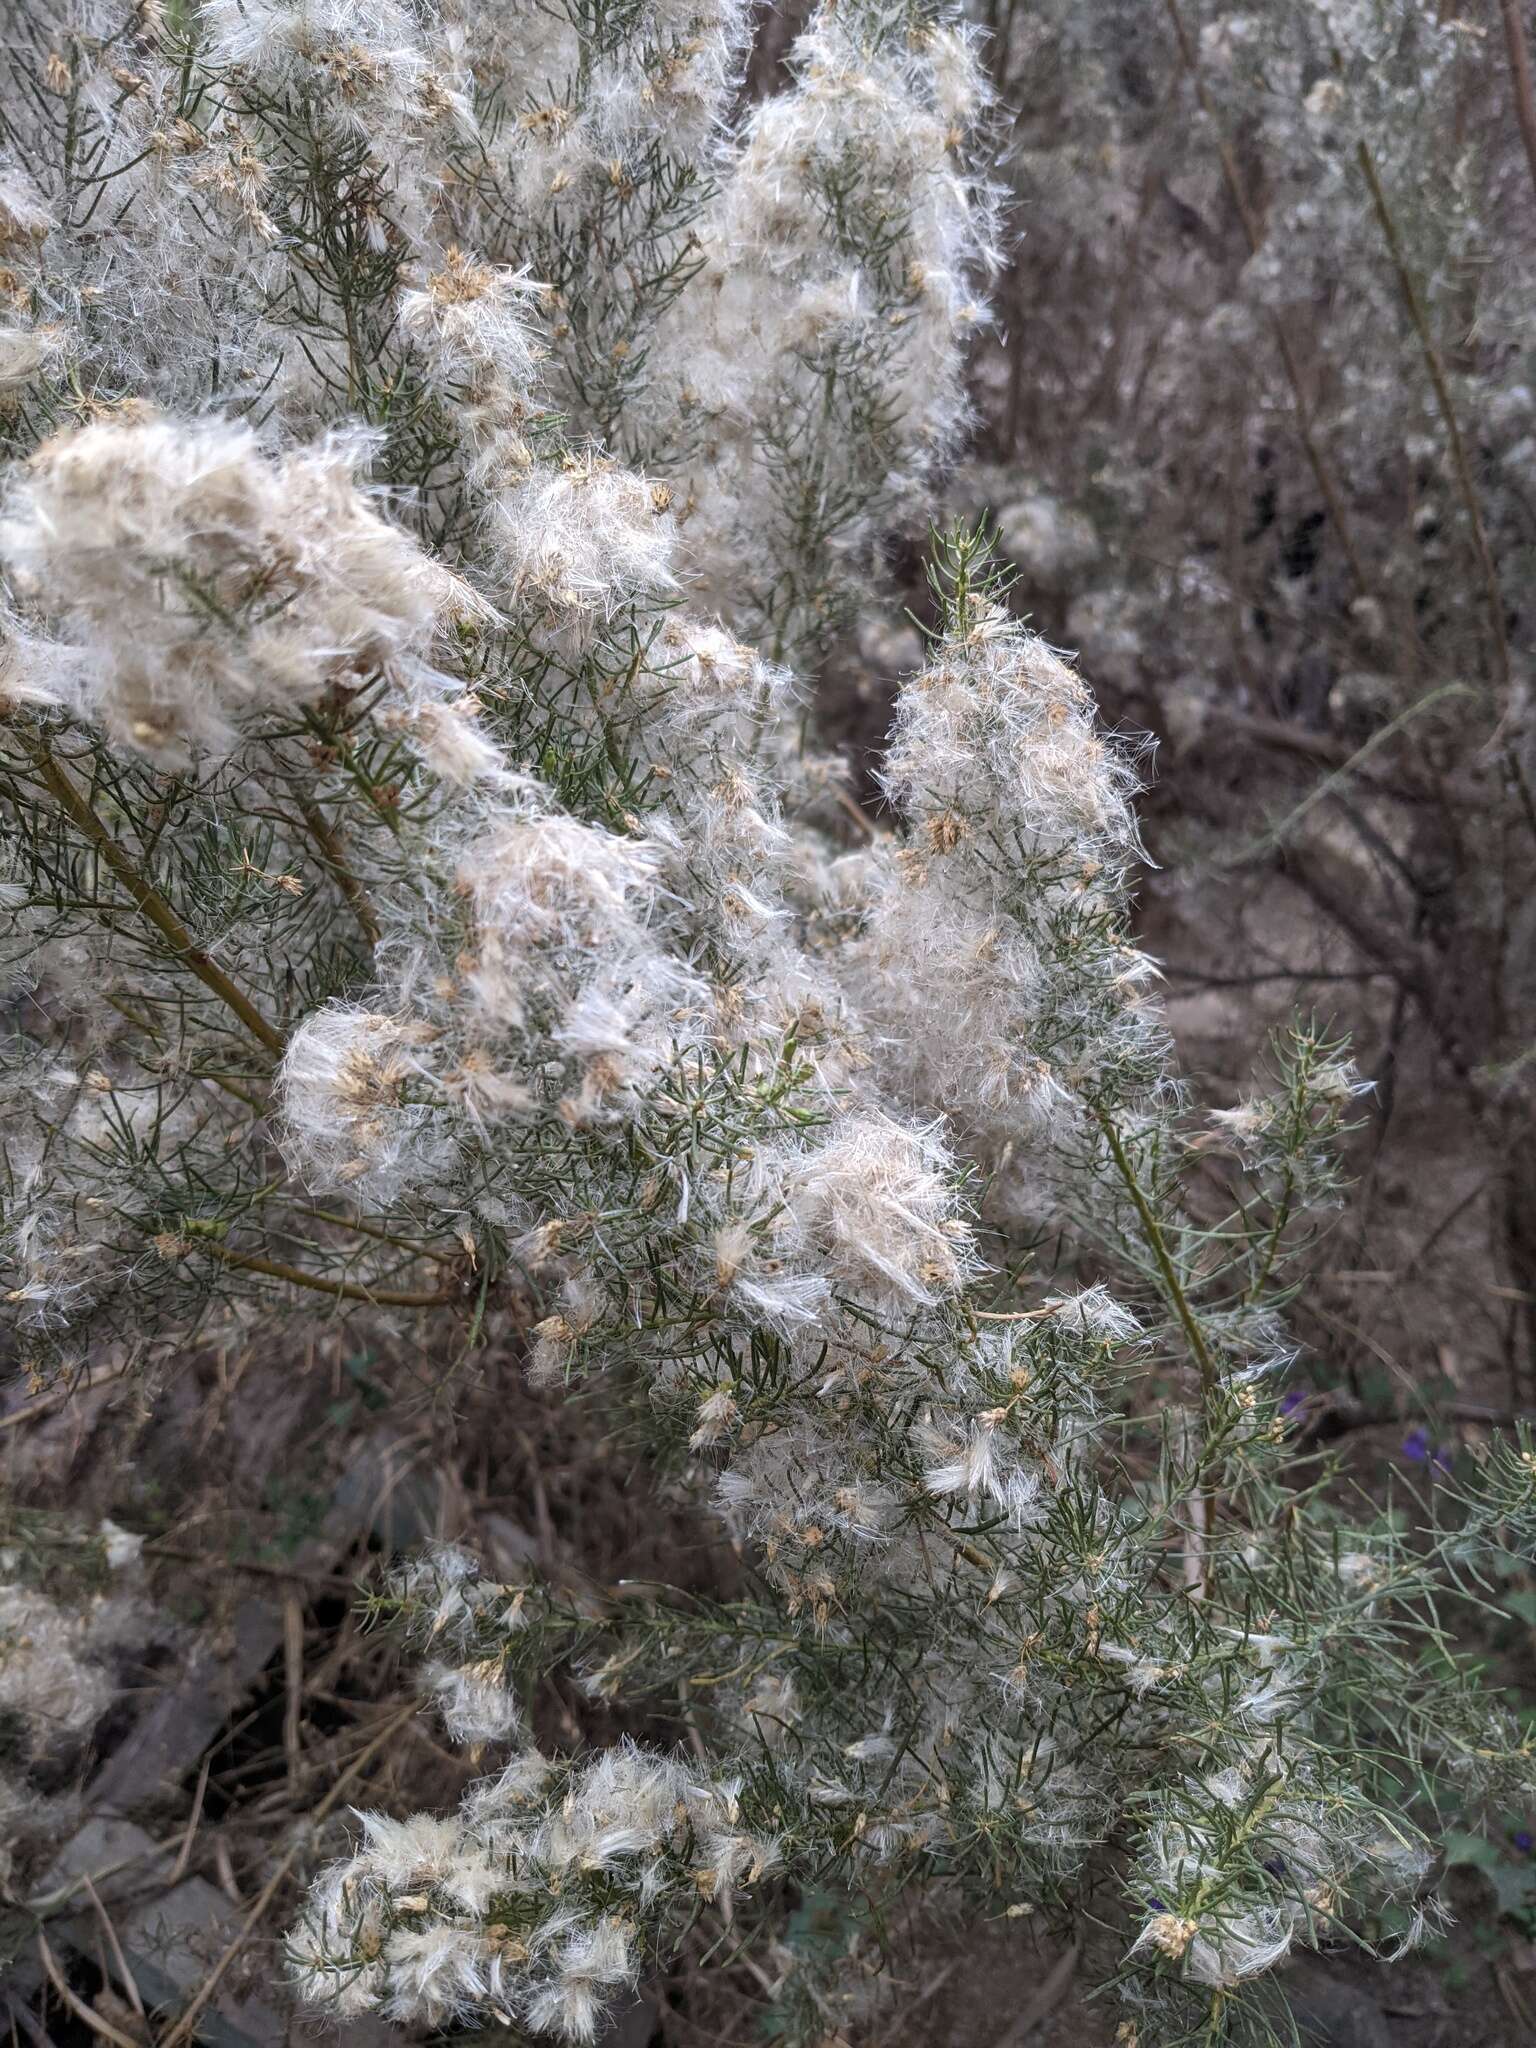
{"x":340,"y":1290}
{"x":335,"y":860}
{"x":1317,"y":746}
{"x":87,"y":2014}
{"x":219,"y":1080}
{"x":291,"y":1573}
{"x":1276,"y":1231}
{"x":1520,"y":78}
{"x":1276,"y":835}
{"x":1437,"y":377}
{"x":1157,"y":1244}
{"x":419,"y":1251}
{"x":56,"y":1396}
{"x":148,"y":900}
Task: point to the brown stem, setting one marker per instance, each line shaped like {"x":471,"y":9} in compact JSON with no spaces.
{"x":1520,"y":78}
{"x":98,"y":2025}
{"x":341,"y":1290}
{"x":336,"y":861}
{"x":290,"y":1572}
{"x":148,"y":901}
{"x":1414,"y":969}
{"x":57,"y":1395}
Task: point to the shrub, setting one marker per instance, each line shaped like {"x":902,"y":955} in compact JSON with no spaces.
{"x":432,"y":433}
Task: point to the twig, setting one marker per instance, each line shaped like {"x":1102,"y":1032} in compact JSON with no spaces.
{"x":1157,"y":1244}
{"x":1199,"y":1527}
{"x":335,"y":859}
{"x":184,"y":1853}
{"x":1512,"y":1997}
{"x":1276,"y":834}
{"x":52,"y":1902}
{"x":1417,"y":1257}
{"x":20,"y":2014}
{"x":147,"y":899}
{"x":293,"y":1681}
{"x":130,"y":1982}
{"x":226,"y":1871}
{"x":341,"y":1290}
{"x":86,"y":2013}
{"x":289,"y":1572}
{"x":1319,"y":746}
{"x":1477,"y":1411}
{"x":362,"y":1229}
{"x":1173,"y":972}
{"x":930,"y":1990}
{"x":57,"y":1397}
{"x":859,"y":815}
{"x":1410,"y":292}
{"x":1520,"y":78}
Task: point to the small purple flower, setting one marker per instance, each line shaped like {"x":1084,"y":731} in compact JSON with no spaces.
{"x":1157,"y":1905}
{"x":1275,"y":1865}
{"x":1524,"y":1841}
{"x":1295,"y":1399}
{"x":1416,"y":1446}
{"x":1444,"y":1457}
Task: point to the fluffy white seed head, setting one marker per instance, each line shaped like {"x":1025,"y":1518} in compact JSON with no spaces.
{"x":200,"y":580}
